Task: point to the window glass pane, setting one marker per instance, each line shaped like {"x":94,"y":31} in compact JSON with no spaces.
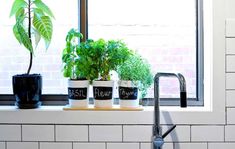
{"x":14,"y":58}
{"x":162,"y":31}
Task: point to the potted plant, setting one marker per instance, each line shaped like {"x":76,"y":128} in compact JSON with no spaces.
{"x":33,"y":21}
{"x":106,"y":57}
{"x":135,"y":75}
{"x":75,"y":69}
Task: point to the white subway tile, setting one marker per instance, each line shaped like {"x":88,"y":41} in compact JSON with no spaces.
{"x":230,"y":45}
{"x":89,"y":146}
{"x":230,"y":66}
{"x":190,"y":146}
{"x":230,"y":79}
{"x":221,"y":146}
{"x":230,"y":133}
{"x":180,"y":133}
{"x":10,"y":132}
{"x":38,"y":133}
{"x":230,"y":29}
{"x":230,"y":97}
{"x":207,"y":133}
{"x":105,"y":133}
{"x":55,"y":145}
{"x":71,"y":133}
{"x":22,"y":145}
{"x":230,"y":11}
{"x":149,"y":146}
{"x":137,"y":133}
{"x":2,"y":145}
{"x":122,"y":145}
{"x":230,"y":115}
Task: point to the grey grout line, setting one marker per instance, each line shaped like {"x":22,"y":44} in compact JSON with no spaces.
{"x":6,"y":145}
{"x":88,"y":129}
{"x":230,"y":89}
{"x":38,"y":145}
{"x":190,"y":131}
{"x":224,"y":133}
{"x":122,"y":134}
{"x":21,"y":131}
{"x":55,"y":133}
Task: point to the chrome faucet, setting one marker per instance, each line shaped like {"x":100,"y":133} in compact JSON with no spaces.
{"x":158,"y":138}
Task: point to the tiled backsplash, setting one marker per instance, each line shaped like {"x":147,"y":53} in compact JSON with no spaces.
{"x":107,"y":136}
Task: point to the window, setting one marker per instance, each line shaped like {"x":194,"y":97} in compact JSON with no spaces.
{"x":167,"y":33}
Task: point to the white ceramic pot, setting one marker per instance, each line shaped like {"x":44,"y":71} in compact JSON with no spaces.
{"x":103,"y":94}
{"x":78,"y":93}
{"x":128,"y":94}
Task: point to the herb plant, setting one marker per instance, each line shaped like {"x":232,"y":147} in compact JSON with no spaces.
{"x":89,"y":53}
{"x":102,"y":56}
{"x":137,"y":70}
{"x":115,"y":54}
{"x":33,"y":20}
{"x":70,"y":56}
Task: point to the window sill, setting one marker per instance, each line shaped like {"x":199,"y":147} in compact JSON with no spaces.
{"x":56,"y":115}
{"x":212,"y":113}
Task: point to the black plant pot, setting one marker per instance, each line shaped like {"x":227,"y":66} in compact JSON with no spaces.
{"x":27,"y":89}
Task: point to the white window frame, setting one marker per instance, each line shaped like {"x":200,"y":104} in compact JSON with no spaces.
{"x":213,"y":112}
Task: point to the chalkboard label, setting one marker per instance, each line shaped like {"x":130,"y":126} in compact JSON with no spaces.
{"x":130,"y":93}
{"x":102,"y":93}
{"x":77,"y":93}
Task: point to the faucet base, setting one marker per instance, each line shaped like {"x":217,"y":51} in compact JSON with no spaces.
{"x":158,"y":142}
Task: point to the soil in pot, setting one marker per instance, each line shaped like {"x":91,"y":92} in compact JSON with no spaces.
{"x":27,"y":89}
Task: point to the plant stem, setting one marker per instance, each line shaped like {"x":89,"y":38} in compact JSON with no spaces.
{"x":29,"y":34}
{"x":30,"y":62}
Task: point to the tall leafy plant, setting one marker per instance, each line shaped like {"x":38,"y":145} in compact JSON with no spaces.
{"x":33,"y":21}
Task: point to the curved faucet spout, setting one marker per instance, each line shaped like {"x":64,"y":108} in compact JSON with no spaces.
{"x":182,"y":82}
{"x":183,"y":103}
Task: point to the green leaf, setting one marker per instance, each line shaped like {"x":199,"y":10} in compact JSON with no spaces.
{"x":37,"y":37}
{"x":20,"y":15}
{"x":18,"y":4}
{"x":16,"y":33}
{"x":44,"y":26}
{"x":43,"y":7}
{"x":38,"y":12}
{"x":24,"y":37}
